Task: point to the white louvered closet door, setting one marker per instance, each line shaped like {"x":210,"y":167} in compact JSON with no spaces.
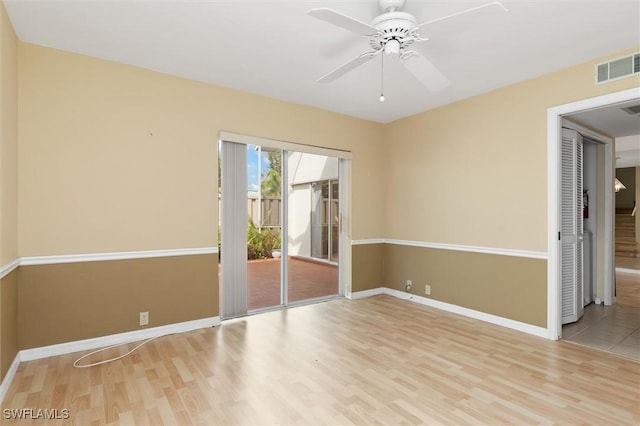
{"x":571,"y":227}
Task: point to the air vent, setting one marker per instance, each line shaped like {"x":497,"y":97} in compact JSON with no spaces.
{"x":633,"y":110}
{"x":618,"y":68}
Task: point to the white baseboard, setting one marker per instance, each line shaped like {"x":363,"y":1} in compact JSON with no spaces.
{"x":99,"y":342}
{"x":364,"y":294}
{"x":116,"y":339}
{"x":470,"y":313}
{"x":628,"y":271}
{"x":8,"y":378}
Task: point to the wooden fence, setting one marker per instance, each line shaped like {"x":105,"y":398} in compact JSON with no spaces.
{"x":271,"y":211}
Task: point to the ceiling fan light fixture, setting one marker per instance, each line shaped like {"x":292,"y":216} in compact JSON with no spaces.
{"x":392,"y":47}
{"x":619,"y":185}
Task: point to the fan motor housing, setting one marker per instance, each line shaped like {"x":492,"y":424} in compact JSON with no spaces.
{"x":393,"y":26}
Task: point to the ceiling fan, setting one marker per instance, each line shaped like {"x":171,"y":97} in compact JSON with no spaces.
{"x":393,"y":32}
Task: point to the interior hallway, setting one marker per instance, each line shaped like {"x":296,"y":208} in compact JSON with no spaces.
{"x":615,"y":328}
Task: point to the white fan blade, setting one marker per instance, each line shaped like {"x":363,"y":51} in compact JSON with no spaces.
{"x":473,"y":9}
{"x":424,"y":71}
{"x":352,"y":64}
{"x":343,"y":21}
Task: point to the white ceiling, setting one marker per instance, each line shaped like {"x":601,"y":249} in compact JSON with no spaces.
{"x":614,"y":121}
{"x":274,"y":48}
{"x":628,"y":152}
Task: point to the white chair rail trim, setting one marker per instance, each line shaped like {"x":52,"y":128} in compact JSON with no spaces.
{"x":7,"y":269}
{"x":96,"y":257}
{"x":455,"y":247}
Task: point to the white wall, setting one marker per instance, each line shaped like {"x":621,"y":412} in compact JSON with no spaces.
{"x":628,"y":151}
{"x":304,"y":168}
{"x":590,"y":180}
{"x":299,"y":226}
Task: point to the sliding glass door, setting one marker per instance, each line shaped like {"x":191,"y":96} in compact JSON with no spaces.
{"x":313,"y":227}
{"x":279,"y":227}
{"x":264,"y":229}
{"x":324,"y":220}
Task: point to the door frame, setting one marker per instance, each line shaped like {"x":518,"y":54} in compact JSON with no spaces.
{"x":554,"y":140}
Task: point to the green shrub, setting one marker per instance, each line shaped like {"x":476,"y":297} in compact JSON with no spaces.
{"x":260,"y":243}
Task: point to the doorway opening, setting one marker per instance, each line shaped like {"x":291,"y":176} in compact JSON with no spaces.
{"x":555,"y":263}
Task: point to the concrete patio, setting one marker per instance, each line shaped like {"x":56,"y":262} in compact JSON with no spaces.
{"x":307,"y":279}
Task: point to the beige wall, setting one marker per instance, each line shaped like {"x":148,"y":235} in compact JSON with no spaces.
{"x":125,"y":159}
{"x":367,"y":267}
{"x":8,"y":140}
{"x":8,"y":321}
{"x":8,"y":191}
{"x":506,"y":286}
{"x":474,"y":172}
{"x":74,"y":301}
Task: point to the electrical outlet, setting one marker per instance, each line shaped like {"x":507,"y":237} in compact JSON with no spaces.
{"x":144,"y":318}
{"x":427,"y":290}
{"x":409,"y":286}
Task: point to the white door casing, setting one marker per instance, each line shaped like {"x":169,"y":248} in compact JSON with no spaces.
{"x":554,"y":138}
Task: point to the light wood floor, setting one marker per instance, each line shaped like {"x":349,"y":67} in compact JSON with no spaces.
{"x":628,"y":262}
{"x":628,"y":283}
{"x":373,"y":361}
{"x":627,"y":258}
{"x":628,"y":289}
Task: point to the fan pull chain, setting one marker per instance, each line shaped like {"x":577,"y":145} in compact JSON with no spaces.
{"x":382,"y":78}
